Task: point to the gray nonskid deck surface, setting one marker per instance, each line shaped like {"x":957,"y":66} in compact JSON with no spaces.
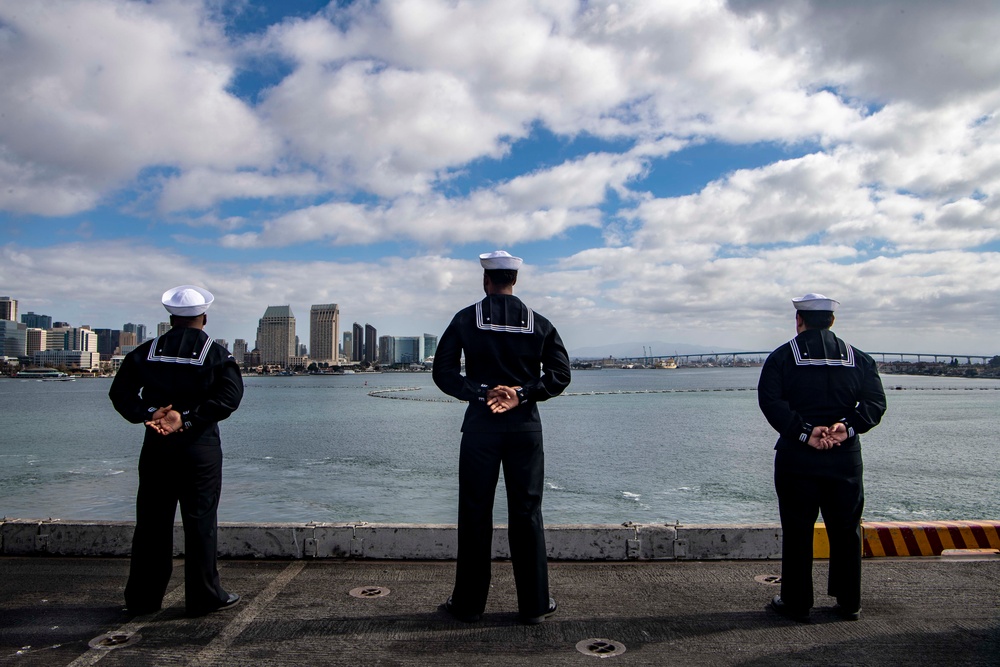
{"x":916,"y":612}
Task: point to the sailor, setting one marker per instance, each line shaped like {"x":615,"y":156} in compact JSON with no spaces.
{"x":514,"y":359}
{"x":180,"y":386}
{"x":819,"y":394}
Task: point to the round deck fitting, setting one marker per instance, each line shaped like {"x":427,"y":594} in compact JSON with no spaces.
{"x":768,"y":579}
{"x":370,"y":592}
{"x":112,"y":640}
{"x":600,"y":648}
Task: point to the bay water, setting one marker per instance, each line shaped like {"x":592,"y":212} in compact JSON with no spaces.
{"x":650,"y":446}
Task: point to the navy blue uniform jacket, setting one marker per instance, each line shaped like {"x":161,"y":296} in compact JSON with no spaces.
{"x":184,"y":368}
{"x":816,"y":379}
{"x":505,"y":343}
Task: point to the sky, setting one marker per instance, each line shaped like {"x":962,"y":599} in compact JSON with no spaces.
{"x":669,"y":171}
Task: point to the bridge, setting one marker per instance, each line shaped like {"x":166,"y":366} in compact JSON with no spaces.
{"x":730,"y":358}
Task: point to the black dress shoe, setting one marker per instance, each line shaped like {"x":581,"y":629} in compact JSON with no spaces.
{"x":846,"y":613}
{"x":778,"y":606}
{"x":535,"y":620}
{"x":229,"y":603}
{"x":458,"y":614}
{"x":232,"y":601}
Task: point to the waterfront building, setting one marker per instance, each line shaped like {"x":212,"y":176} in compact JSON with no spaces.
{"x":127,"y":339}
{"x":13,"y":338}
{"x":36,"y":340}
{"x":82,"y":359}
{"x":138,"y":329}
{"x":35,"y":321}
{"x":386,"y":350}
{"x":371,"y":344}
{"x":357,"y":354}
{"x":8,"y":308}
{"x":276,"y":336}
{"x":252,"y":358}
{"x":430,"y":346}
{"x":80,"y":339}
{"x":162,"y":328}
{"x":223,"y":342}
{"x":108,"y":341}
{"x":324,"y":332}
{"x":239,"y":350}
{"x":407,"y":349}
{"x":348,"y":345}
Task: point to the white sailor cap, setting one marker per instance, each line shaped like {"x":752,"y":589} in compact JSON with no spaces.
{"x":187,"y":300}
{"x":500,"y":259}
{"x":814,"y":301}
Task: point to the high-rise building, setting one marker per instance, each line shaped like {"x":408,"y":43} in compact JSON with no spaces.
{"x":36,"y":340}
{"x":348,"y":347}
{"x":358,"y":353}
{"x":430,"y":345}
{"x":407,"y":349}
{"x":386,"y":350}
{"x":138,"y":329}
{"x":162,"y":328}
{"x":13,"y":338}
{"x":276,"y":336}
{"x":32,"y":320}
{"x":239,"y":350}
{"x":223,"y":342}
{"x":371,"y":344}
{"x":8,"y":308}
{"x":80,"y":339}
{"x":324,"y":332}
{"x":108,"y":341}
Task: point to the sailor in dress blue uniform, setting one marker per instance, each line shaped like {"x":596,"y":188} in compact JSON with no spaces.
{"x":180,"y":385}
{"x":514,"y":359}
{"x":819,"y":394}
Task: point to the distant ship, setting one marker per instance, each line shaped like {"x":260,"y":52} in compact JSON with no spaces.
{"x":666,"y":364}
{"x":43,"y":374}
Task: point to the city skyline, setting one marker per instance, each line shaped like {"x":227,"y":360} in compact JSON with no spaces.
{"x":668,"y":171}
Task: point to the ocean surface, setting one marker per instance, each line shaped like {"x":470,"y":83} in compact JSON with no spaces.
{"x":649,"y":446}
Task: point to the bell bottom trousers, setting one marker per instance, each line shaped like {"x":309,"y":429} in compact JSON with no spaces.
{"x":480,"y":460}
{"x":807,"y":483}
{"x":191,"y":474}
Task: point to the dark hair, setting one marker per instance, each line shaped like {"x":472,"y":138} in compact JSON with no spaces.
{"x":817,"y":319}
{"x":182,"y":321}
{"x":502,"y":277}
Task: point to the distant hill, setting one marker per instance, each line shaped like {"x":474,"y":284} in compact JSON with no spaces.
{"x":654,"y":348}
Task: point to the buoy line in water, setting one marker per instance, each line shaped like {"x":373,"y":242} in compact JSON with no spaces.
{"x":389,"y":393}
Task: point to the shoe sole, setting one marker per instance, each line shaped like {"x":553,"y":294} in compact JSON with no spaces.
{"x":535,"y":620}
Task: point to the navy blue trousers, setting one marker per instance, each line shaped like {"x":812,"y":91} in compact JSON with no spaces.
{"x":808,"y":482}
{"x":482,"y":455}
{"x":171,"y":472}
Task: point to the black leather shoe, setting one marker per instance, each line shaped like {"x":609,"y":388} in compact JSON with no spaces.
{"x":234,"y":599}
{"x":458,"y":614}
{"x":846,"y":614}
{"x":779,"y":607}
{"x":535,"y":620}
{"x":229,"y":603}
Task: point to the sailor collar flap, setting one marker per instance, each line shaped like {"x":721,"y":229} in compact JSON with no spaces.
{"x":185,"y":349}
{"x":823,"y":349}
{"x":507,"y":315}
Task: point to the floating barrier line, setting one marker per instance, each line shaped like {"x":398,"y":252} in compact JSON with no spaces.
{"x":388,"y":393}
